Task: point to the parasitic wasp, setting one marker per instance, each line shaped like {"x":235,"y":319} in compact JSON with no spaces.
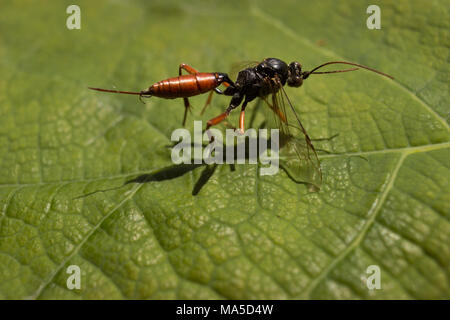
{"x":265,"y":80}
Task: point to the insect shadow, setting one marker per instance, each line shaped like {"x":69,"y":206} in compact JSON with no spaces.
{"x":175,"y":171}
{"x":167,"y":173}
{"x":178,"y":170}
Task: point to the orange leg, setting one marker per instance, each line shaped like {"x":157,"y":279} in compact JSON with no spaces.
{"x":242,"y":118}
{"x":242,"y":122}
{"x":235,"y":101}
{"x":217,"y":119}
{"x":187,"y":105}
{"x":275,"y":108}
{"x":186,"y":67}
{"x":208,"y":102}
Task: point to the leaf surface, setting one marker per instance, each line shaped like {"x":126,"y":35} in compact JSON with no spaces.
{"x":385,"y":194}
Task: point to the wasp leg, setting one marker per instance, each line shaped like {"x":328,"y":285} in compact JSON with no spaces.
{"x":187,"y":105}
{"x":235,"y":102}
{"x":242,"y":117}
{"x":229,"y":91}
{"x":227,"y":124}
{"x":218,"y":119}
{"x":188,"y":68}
{"x":275,"y":108}
{"x":208,"y":101}
{"x":186,"y":108}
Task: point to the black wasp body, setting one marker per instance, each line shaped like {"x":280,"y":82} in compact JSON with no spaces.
{"x":261,"y":80}
{"x":266,"y":78}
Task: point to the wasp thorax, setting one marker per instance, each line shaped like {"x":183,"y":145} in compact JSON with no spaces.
{"x":295,"y":78}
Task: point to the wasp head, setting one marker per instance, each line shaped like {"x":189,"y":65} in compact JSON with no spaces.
{"x":295,"y":75}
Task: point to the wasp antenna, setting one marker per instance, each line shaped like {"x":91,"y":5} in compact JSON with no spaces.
{"x":345,"y":70}
{"x":335,"y":71}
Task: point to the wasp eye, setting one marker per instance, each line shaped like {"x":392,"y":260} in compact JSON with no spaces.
{"x":295,"y":67}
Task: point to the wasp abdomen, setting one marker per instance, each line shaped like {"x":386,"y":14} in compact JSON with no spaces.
{"x":184,"y":86}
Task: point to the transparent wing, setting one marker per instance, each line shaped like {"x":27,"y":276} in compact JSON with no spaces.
{"x":239,"y":66}
{"x":297,"y":154}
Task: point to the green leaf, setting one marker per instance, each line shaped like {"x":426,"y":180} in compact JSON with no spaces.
{"x":385,"y":194}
